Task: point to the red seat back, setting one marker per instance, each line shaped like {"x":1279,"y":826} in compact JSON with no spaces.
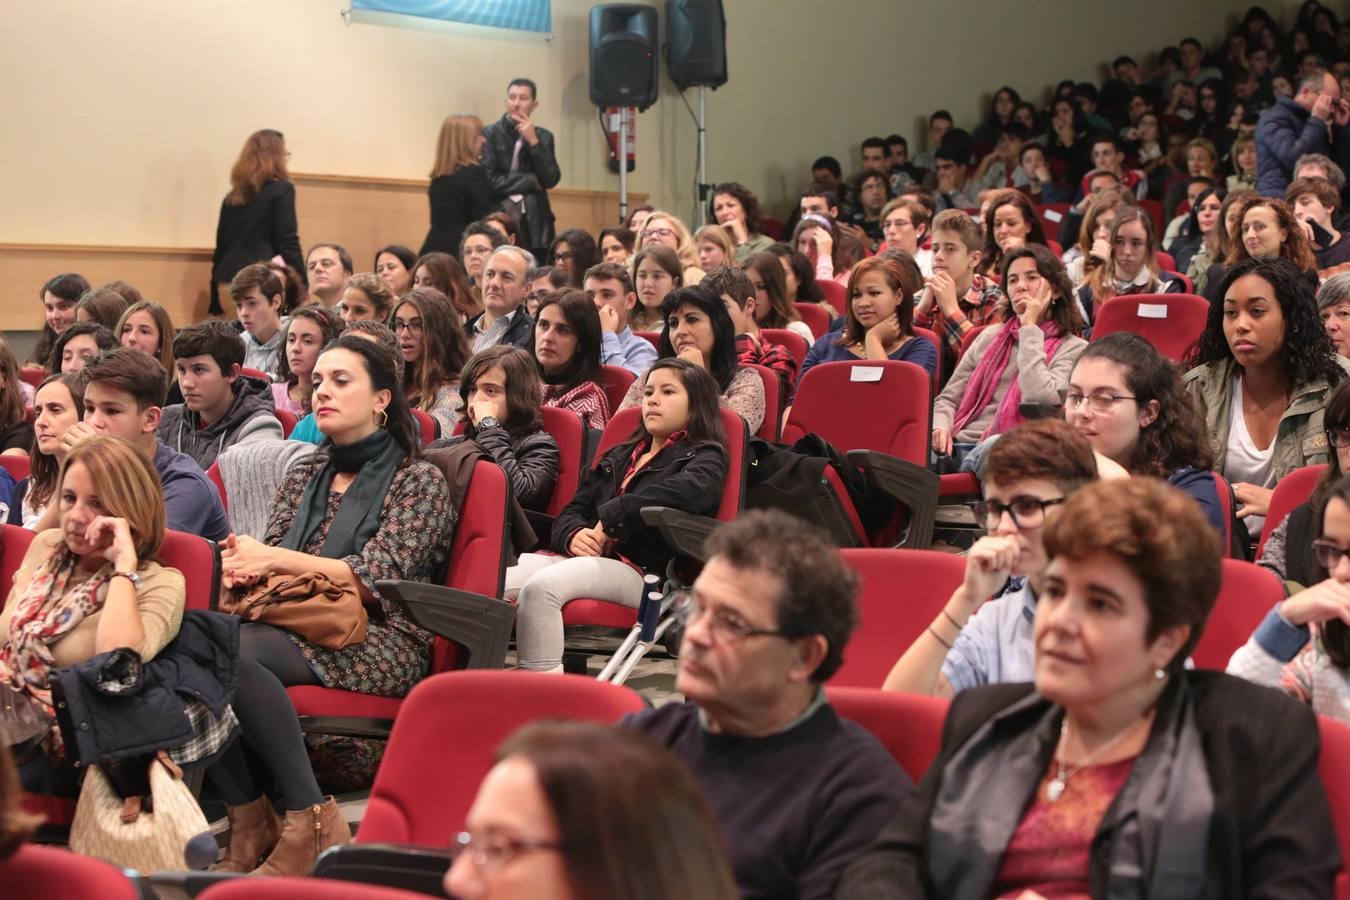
{"x":773,"y":402}
{"x":789,"y":340}
{"x":14,"y":546}
{"x":617,"y":380}
{"x":32,"y":375}
{"x":1334,"y":766}
{"x":969,"y":338}
{"x":1052,"y":216}
{"x":651,"y":337}
{"x":1166,"y":261}
{"x":1054,"y":246}
{"x":890,"y":620}
{"x":569,"y":432}
{"x":908,"y":725}
{"x":1246,"y":595}
{"x":891,"y":414}
{"x":17,"y":466}
{"x":816,"y":317}
{"x":1291,"y":491}
{"x":1170,"y":322}
{"x":445,"y":736}
{"x":302,"y":889}
{"x":835,"y":294}
{"x":36,"y":872}
{"x":426,"y":426}
{"x":287,"y":419}
{"x":199,"y":561}
{"x":931,"y":337}
{"x":1155,"y":209}
{"x":255,"y":373}
{"x":213,"y":473}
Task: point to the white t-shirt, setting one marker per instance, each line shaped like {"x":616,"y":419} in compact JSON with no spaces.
{"x":1245,"y":461}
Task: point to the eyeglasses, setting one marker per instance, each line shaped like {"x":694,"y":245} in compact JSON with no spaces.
{"x":725,"y":627}
{"x":413,"y":327}
{"x":1100,"y":402}
{"x":1026,"y":512}
{"x":1328,"y":555}
{"x":492,"y":852}
{"x":563,"y":256}
{"x":1338,"y":437}
{"x":661,"y":233}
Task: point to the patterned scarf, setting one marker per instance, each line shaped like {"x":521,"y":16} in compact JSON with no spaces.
{"x":25,"y":654}
{"x":985,"y":379}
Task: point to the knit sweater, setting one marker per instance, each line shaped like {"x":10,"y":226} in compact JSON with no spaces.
{"x":1290,"y":658}
{"x":252,"y":472}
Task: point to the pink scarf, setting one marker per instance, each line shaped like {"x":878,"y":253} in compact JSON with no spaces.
{"x":984,"y":380}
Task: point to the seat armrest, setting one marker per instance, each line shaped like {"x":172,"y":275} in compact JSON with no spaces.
{"x":402,"y":866}
{"x":911,"y":485}
{"x":683,"y":532}
{"x":478,"y":624}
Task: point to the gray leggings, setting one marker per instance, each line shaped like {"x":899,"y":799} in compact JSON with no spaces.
{"x":543,"y":584}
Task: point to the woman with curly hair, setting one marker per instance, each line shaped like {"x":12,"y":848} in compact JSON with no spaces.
{"x":443,"y":273}
{"x":737,"y":210}
{"x":1266,"y":229}
{"x":1264,"y":371}
{"x":1009,"y":222}
{"x":1127,"y":399}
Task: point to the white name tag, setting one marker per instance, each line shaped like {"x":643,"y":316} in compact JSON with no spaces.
{"x":1152,"y":310}
{"x":865,"y":373}
{"x":1054,"y":215}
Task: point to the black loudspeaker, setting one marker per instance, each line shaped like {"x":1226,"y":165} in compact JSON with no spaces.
{"x":696,"y":43}
{"x":624,"y":70}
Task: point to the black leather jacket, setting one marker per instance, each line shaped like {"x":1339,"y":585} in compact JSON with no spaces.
{"x":538,"y":173}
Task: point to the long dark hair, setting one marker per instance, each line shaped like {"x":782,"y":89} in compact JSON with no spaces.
{"x":1334,"y":634}
{"x":1063,"y":309}
{"x":582,"y":317}
{"x":524,"y":392}
{"x":1009,"y":197}
{"x":1176,"y":438}
{"x":724,"y":362}
{"x":1308,"y":353}
{"x":69,"y":287}
{"x":43,"y":469}
{"x":448,"y":277}
{"x":808,"y":291}
{"x":584,"y":250}
{"x":705,"y":415}
{"x":897,"y":279}
{"x":383,"y":371}
{"x":445,"y":349}
{"x":781,"y":312}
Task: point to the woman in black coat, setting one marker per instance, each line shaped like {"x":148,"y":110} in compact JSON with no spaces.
{"x":459,"y":192}
{"x":257,"y":218}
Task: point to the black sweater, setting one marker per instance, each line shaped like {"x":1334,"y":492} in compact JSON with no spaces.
{"x":457,"y":199}
{"x":257,"y":231}
{"x":795,"y":807}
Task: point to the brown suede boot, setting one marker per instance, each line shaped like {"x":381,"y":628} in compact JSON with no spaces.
{"x":254,"y":830}
{"x":306,"y":833}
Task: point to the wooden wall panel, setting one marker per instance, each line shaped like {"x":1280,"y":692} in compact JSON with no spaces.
{"x":362,"y":214}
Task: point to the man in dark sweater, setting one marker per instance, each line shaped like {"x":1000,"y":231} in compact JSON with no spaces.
{"x":798,"y":791}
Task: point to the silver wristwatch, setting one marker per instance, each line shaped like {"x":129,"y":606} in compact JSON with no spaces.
{"x":133,"y":577}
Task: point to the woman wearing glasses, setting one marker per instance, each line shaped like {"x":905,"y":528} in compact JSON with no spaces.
{"x":434,"y":350}
{"x":574,"y":252}
{"x":983,"y":634}
{"x":664,"y":230}
{"x":1264,"y":371}
{"x":1303,"y":646}
{"x":566,"y":812}
{"x":1126,"y":398}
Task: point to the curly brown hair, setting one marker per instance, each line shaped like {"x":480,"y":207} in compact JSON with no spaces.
{"x":1294,"y":247}
{"x":754,"y":214}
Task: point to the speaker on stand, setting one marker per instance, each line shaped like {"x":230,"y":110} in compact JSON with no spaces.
{"x":696,"y":56}
{"x":624,"y":69}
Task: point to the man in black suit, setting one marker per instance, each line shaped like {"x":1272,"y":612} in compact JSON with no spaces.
{"x":522,"y":166}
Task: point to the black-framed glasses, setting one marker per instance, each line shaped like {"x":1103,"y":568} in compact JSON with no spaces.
{"x":1026,"y":512}
{"x":1328,"y":554}
{"x":1338,"y":437}
{"x":563,"y":256}
{"x":492,"y":852}
{"x":413,"y":327}
{"x":726,"y":627}
{"x":1100,"y":402}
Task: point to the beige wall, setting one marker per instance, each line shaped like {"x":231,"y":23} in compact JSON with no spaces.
{"x":127,"y":136}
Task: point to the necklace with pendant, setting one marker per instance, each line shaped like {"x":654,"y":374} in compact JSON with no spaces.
{"x":1055,"y":789}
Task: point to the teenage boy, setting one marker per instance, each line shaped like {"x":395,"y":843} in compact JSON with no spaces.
{"x":1315,"y":201}
{"x":328,"y":267}
{"x":983,"y":634}
{"x":939,"y":123}
{"x":124,"y":390}
{"x":258,"y":295}
{"x":611,"y":290}
{"x":503,"y":319}
{"x":955,"y":299}
{"x":220,"y":407}
{"x":954,"y":190}
{"x":1108,"y":155}
{"x":739,"y":295}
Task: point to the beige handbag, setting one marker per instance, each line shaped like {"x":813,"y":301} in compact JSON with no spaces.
{"x":118,"y":831}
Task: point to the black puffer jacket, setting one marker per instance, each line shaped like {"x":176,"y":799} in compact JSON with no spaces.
{"x":684,"y":475}
{"x":538,"y":173}
{"x":530,"y":461}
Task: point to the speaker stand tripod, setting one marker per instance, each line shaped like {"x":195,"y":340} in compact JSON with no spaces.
{"x":703,"y":186}
{"x":623,"y":168}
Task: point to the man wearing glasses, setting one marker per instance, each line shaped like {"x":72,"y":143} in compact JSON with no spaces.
{"x":983,"y":634}
{"x":798,"y":791}
{"x":1315,"y":120}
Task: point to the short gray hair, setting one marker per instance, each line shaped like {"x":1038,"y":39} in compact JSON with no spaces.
{"x":524,"y":254}
{"x":1335,"y":174}
{"x":1336,"y":290}
{"x":1314,"y":80}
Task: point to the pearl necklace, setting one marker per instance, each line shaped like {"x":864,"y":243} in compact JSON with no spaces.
{"x":1055,"y":789}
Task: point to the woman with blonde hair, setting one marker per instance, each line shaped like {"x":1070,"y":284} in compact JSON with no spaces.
{"x":1094,"y":238}
{"x":663,"y":229}
{"x":257,"y":218}
{"x":366,"y":296}
{"x":459,"y":192}
{"x":714,"y":247}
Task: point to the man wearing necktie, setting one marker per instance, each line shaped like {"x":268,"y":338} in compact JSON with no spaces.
{"x":522,"y":166}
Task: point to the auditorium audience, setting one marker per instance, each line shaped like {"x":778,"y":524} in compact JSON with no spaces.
{"x":441,"y":271}
{"x":307,"y":331}
{"x":86,"y":585}
{"x":1266,"y":229}
{"x":505,"y":224}
{"x":366,"y":296}
{"x":799,"y":791}
{"x":502,"y":395}
{"x":574,"y":252}
{"x":610,"y":288}
{"x":568,"y":808}
{"x":664,"y":230}
{"x":676,"y":457}
{"x":1218,"y":246}
{"x":503,"y":319}
{"x":656,"y":272}
{"x":1093,"y":247}
{"x":479,"y":240}
{"x":816,"y":238}
{"x":329,"y":266}
{"x":904,"y":225}
{"x":567,"y":347}
{"x":1314,"y":202}
{"x":459,"y":192}
{"x":58,"y":405}
{"x":78,"y":344}
{"x":1205,"y":215}
{"x":259,"y":297}
{"x":1314,"y":120}
{"x":361,"y":510}
{"x":394,"y":264}
{"x":257,"y":217}
{"x":434,"y":350}
{"x":58,"y":295}
{"x":955,"y":299}
{"x":699,"y":330}
{"x":540,"y":281}
{"x":1027,"y":359}
{"x":1042,"y":787}
{"x":1263,"y":372}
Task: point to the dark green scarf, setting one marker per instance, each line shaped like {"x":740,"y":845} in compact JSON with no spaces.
{"x":374,"y":460}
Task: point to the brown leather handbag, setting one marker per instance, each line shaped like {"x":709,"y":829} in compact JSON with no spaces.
{"x":320,"y":610}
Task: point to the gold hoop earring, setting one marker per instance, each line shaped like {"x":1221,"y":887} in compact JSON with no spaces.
{"x":383,"y":420}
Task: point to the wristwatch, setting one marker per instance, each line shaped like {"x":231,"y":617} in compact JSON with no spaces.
{"x":487,"y":422}
{"x":133,"y":577}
